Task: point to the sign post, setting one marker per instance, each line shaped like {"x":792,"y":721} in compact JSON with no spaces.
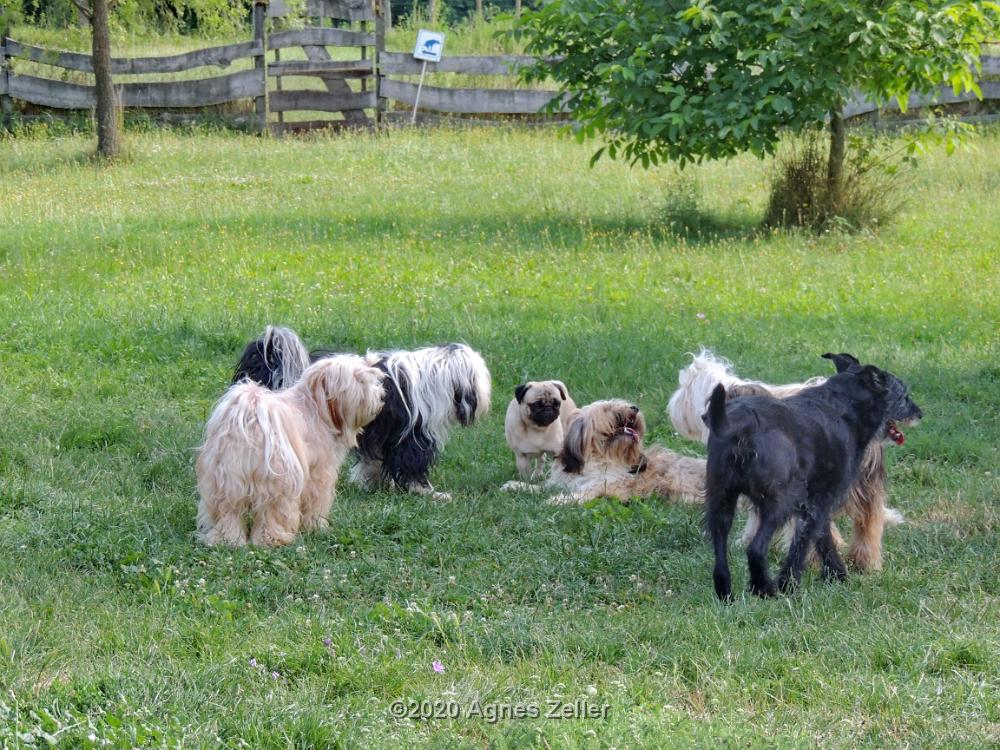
{"x":428,"y":48}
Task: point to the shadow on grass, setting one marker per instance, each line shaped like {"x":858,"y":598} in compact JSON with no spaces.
{"x":513,"y":233}
{"x":703,"y":227}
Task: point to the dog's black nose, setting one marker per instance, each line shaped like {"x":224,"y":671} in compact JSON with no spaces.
{"x":633,"y":408}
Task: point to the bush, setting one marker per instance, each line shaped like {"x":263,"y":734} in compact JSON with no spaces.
{"x":873,"y":189}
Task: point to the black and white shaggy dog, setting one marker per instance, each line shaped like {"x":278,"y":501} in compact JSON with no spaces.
{"x":427,"y":392}
{"x":275,"y":360}
{"x":795,"y":458}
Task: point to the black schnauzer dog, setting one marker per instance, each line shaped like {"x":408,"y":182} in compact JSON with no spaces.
{"x":795,"y":457}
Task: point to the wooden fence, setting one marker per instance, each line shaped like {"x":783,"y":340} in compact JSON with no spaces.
{"x":364,"y":85}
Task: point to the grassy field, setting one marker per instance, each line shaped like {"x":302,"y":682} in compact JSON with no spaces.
{"x":127,"y":292}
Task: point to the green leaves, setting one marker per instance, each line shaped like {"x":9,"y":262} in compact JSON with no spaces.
{"x":713,"y":79}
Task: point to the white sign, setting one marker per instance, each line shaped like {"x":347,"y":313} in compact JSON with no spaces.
{"x":429,"y":45}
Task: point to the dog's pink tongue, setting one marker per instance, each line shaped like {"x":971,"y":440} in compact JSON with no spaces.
{"x":630,"y":432}
{"x":896,"y":434}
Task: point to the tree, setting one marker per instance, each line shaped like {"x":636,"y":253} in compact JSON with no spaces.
{"x":708,"y":79}
{"x":108,"y":129}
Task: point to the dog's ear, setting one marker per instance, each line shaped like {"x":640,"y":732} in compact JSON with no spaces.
{"x":321,"y":386}
{"x":842,"y":361}
{"x":520,"y":391}
{"x":562,"y":389}
{"x":576,"y":446}
{"x":874,"y":378}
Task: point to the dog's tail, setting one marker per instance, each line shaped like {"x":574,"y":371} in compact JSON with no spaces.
{"x":715,"y":417}
{"x":249,"y":447}
{"x":277,"y":359}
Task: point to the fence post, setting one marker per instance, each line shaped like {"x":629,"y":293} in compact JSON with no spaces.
{"x":261,"y":106}
{"x":381,"y":11}
{"x":6,"y":109}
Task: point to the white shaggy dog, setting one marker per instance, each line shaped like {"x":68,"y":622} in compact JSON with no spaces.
{"x":867,"y":497}
{"x":275,"y":455}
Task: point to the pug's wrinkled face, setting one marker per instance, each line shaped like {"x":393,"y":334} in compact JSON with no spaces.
{"x":540,"y":402}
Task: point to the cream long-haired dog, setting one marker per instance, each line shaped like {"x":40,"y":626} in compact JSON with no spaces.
{"x":866,"y":502}
{"x":275,"y":455}
{"x":603,"y":456}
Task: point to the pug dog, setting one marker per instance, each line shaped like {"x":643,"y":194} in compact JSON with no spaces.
{"x":538,"y":418}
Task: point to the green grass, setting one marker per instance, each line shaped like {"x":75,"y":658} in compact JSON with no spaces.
{"x":127,"y":292}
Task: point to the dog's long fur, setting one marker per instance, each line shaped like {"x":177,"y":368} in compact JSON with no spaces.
{"x":428,"y":392}
{"x":603,"y":456}
{"x":277,"y":359}
{"x":866,"y":502}
{"x":795,"y":458}
{"x":436,"y":388}
{"x":276,"y":455}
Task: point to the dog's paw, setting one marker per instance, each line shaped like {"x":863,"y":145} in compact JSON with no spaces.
{"x":786,"y":583}
{"x":565,"y":498}
{"x":831,"y":573}
{"x":317,"y":523}
{"x":764,"y":589}
{"x":440,"y":496}
{"x":515,"y":486}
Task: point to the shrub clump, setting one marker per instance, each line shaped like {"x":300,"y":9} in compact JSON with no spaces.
{"x":871,"y":195}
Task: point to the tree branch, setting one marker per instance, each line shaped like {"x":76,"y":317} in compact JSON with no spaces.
{"x":84,"y":8}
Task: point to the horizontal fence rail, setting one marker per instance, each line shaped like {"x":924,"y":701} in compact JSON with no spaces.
{"x":320,"y":38}
{"x":468,"y":101}
{"x":404,"y":63}
{"x":320,"y":101}
{"x":219,"y":56}
{"x":170,"y":94}
{"x":944,"y":95}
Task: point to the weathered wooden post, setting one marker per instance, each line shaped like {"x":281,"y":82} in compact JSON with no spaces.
{"x":261,"y":105}
{"x":6,"y":108}
{"x":381,"y":11}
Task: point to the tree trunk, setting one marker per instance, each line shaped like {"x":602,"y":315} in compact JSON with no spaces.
{"x":108,"y":130}
{"x":835,"y":164}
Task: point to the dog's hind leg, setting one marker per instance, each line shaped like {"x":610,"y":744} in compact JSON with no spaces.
{"x":720,"y":506}
{"x":317,"y":498}
{"x":770,"y":519}
{"x":798,"y":549}
{"x":833,"y":566}
{"x":408,"y":465}
{"x":866,"y":505}
{"x":276,"y":522}
{"x":773,"y":512}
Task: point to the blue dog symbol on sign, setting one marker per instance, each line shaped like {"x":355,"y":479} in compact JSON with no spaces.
{"x":429,"y":46}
